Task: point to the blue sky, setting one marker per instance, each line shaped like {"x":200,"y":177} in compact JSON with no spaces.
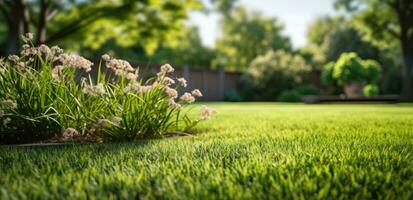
{"x":295,"y":14}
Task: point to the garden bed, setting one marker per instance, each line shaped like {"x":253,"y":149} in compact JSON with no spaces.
{"x":57,"y":142}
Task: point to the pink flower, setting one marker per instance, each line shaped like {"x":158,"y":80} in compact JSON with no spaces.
{"x":182,"y":82}
{"x":171,"y":92}
{"x":167,"y":68}
{"x":187,"y":97}
{"x":206,"y":112}
{"x":173,"y":104}
{"x":197,"y":93}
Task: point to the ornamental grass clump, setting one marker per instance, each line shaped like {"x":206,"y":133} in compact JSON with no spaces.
{"x":40,"y":99}
{"x":142,"y":109}
{"x":37,"y":100}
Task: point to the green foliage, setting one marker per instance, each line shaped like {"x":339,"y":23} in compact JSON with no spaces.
{"x":188,"y":51}
{"x":391,"y":27}
{"x":322,"y":28}
{"x":270,"y":74}
{"x":371,"y":90}
{"x":249,"y":151}
{"x":350,"y":68}
{"x":381,"y":28}
{"x":128,"y":24}
{"x":40,"y":98}
{"x":373,"y":70}
{"x":142,"y":26}
{"x":392,"y":81}
{"x":290,"y":96}
{"x":245,"y":35}
{"x":34,"y":106}
{"x":327,"y":74}
{"x":224,"y":7}
{"x":307,"y":90}
{"x":329,"y":37}
{"x":296,"y":94}
{"x":233,"y":95}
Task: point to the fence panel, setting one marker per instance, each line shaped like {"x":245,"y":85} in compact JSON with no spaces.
{"x":212,"y":83}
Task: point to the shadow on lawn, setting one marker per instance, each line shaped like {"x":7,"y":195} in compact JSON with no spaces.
{"x":72,"y":146}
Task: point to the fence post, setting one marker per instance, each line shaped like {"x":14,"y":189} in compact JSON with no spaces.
{"x":186,"y":72}
{"x":205,"y":85}
{"x":153,"y":70}
{"x":221,"y":84}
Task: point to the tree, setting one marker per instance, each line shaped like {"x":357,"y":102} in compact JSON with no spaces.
{"x":223,"y":7}
{"x":188,"y":50}
{"x":246,"y":35}
{"x":93,"y":21}
{"x":329,"y":37}
{"x":386,"y":20}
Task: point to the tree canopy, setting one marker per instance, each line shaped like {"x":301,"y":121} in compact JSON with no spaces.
{"x":245,"y":35}
{"x":188,"y":51}
{"x":329,"y":37}
{"x":94,"y":22}
{"x":386,"y":21}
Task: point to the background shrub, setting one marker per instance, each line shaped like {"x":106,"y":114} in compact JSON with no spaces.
{"x":296,"y":94}
{"x":392,"y":81}
{"x":290,"y":96}
{"x":233,"y":95}
{"x":350,"y":68}
{"x":270,"y":74}
{"x":307,"y":90}
{"x":373,"y":71}
{"x":327,"y":74}
{"x":371,"y":90}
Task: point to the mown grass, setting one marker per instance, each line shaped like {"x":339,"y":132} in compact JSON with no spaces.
{"x":248,"y":151}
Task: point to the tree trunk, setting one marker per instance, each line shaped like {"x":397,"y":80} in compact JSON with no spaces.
{"x":24,"y":16}
{"x":404,"y":14}
{"x":14,"y":29}
{"x":407,"y":70}
{"x":41,"y":31}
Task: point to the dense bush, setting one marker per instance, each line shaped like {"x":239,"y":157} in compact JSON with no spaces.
{"x":296,"y":94}
{"x":232,"y":95}
{"x":392,"y":81}
{"x":350,"y":68}
{"x":307,"y":90}
{"x":327,"y":74}
{"x":290,"y":96}
{"x":373,"y":71}
{"x":40,"y":99}
{"x":371,"y":90}
{"x":270,"y":74}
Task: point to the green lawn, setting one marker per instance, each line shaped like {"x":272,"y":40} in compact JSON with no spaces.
{"x":248,"y":151}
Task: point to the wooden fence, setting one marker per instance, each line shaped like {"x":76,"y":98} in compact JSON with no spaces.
{"x":212,"y":83}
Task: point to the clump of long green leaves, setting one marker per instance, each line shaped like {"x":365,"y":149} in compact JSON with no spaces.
{"x":40,"y":99}
{"x":142,"y":109}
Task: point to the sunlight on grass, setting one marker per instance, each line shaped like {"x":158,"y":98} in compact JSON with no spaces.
{"x":248,"y":151}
